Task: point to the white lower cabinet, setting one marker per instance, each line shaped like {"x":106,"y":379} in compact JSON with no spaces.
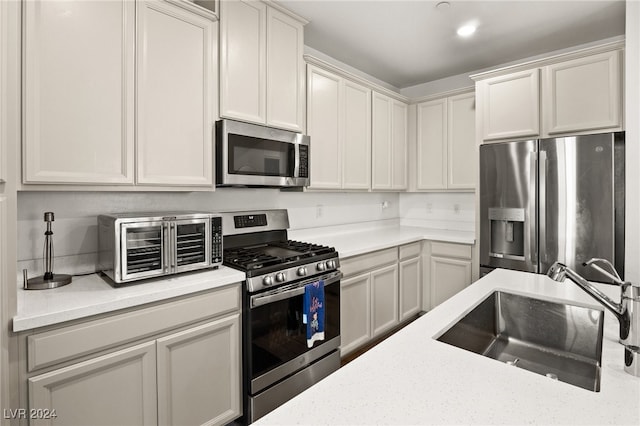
{"x":355,"y":312}
{"x":410,"y":275}
{"x":114,"y":389}
{"x":198,"y":373}
{"x":380,"y":290}
{"x":384,"y":299}
{"x":188,"y":377}
{"x":449,"y":271}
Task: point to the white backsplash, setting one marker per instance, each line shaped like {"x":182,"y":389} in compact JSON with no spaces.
{"x":438,"y":210}
{"x":75,"y":227}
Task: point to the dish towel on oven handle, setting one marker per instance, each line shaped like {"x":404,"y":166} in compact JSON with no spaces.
{"x":313,"y":311}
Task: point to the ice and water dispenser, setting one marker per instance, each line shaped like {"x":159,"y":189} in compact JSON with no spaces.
{"x":507,"y":233}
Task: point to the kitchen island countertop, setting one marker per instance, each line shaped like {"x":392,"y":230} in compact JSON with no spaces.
{"x":410,"y":378}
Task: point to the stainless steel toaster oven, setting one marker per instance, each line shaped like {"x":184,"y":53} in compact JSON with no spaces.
{"x":134,"y":246}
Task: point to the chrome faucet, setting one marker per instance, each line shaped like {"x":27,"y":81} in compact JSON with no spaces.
{"x":627,"y":311}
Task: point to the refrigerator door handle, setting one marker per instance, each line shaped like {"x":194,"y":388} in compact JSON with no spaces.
{"x":542,"y":203}
{"x":533,"y":250}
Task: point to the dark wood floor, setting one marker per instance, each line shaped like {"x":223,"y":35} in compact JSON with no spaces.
{"x":353,"y":355}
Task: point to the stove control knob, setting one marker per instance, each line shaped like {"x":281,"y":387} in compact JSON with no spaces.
{"x":320,"y":266}
{"x":280,"y":276}
{"x":302,"y":271}
{"x":331,"y":264}
{"x":268,"y":280}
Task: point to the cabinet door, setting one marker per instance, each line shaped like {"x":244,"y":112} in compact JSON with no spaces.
{"x":381,"y":142}
{"x":410,"y":288}
{"x":285,"y":72}
{"x":356,"y":165}
{"x":176,"y":83}
{"x":462,"y":152}
{"x":323,"y":126}
{"x":78,"y":99}
{"x":510,"y":105}
{"x":432,"y":144}
{"x":355,"y":312}
{"x":199,"y":376}
{"x":384,"y":299}
{"x":583,"y":94}
{"x":448,"y":277}
{"x":114,"y":389}
{"x":243,"y":49}
{"x":399,"y":124}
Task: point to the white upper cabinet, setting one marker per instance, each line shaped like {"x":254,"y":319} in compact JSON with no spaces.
{"x":339,"y":124}
{"x":574,"y":93}
{"x":446,"y":147}
{"x":462,"y":156}
{"x":285,"y":71}
{"x":176,"y":89}
{"x":510,"y":105}
{"x":356,"y":147}
{"x":389,"y":143}
{"x":78,"y":85}
{"x":261,"y":65}
{"x":583,"y":94}
{"x":324,"y":123}
{"x":432,"y":150}
{"x":243,"y":52}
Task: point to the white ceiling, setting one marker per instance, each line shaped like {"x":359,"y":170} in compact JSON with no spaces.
{"x":405,"y":43}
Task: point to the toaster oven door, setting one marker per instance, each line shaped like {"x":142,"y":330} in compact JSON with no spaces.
{"x":190,"y":244}
{"x":144,"y":252}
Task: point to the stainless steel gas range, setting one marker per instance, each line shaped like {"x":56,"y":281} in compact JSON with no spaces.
{"x":279,"y":359}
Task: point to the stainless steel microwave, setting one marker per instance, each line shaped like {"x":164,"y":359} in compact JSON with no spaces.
{"x":253,"y":155}
{"x":135,"y":246}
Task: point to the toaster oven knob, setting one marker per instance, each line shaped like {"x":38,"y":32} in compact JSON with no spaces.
{"x":302,"y":271}
{"x":280,"y":277}
{"x":268,"y":280}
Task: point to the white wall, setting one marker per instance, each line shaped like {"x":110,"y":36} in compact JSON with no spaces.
{"x":439,"y":210}
{"x":632,"y":141}
{"x":75,"y":227}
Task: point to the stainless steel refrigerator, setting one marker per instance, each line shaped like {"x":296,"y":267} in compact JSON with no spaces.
{"x":552,"y":199}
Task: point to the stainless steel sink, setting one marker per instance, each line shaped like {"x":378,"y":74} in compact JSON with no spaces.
{"x":560,"y":341}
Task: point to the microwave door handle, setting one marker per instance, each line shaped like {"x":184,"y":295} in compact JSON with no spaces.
{"x":296,"y":160}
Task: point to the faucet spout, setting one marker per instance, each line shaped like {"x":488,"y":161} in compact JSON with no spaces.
{"x":559,"y":271}
{"x":627,"y":311}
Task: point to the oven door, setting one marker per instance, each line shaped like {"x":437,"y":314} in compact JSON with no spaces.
{"x":190,"y":244}
{"x":143,"y":252}
{"x":276,"y":336}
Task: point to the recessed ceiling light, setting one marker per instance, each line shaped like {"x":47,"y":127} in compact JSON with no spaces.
{"x":466,"y":30}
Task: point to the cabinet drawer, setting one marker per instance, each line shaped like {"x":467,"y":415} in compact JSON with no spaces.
{"x":66,"y":343}
{"x":355,"y":265}
{"x":410,"y":250}
{"x":462,"y":251}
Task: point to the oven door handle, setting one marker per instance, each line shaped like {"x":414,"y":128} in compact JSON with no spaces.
{"x":281,"y":294}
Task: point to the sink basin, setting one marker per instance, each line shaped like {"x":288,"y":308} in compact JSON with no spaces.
{"x":558,"y":340}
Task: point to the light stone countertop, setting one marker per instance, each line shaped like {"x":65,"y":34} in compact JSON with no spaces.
{"x":410,"y":378}
{"x":92,"y":295}
{"x":354,"y":240}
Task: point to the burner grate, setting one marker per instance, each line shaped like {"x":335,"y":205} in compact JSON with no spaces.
{"x":274,"y":253}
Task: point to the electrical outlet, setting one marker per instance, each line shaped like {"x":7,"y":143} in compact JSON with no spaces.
{"x":319,"y":211}
{"x":456,"y":208}
{"x":429,"y":208}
